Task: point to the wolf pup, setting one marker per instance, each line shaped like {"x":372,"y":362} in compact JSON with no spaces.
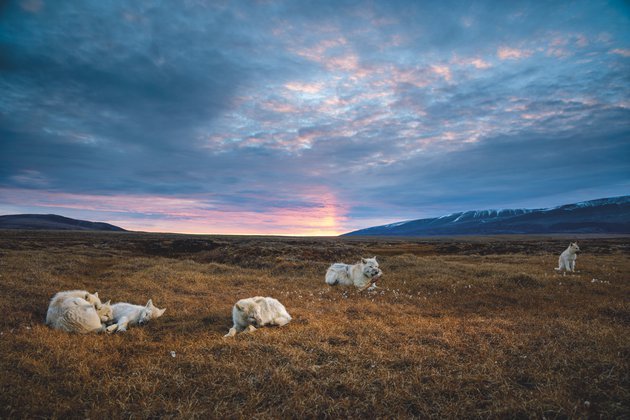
{"x":566,"y":261}
{"x":126,"y":314}
{"x":249,"y":314}
{"x":362,"y":274}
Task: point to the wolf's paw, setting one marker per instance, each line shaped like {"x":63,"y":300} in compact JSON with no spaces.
{"x":111,"y":328}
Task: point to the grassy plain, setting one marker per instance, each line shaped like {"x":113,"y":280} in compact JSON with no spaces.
{"x":460,"y":327}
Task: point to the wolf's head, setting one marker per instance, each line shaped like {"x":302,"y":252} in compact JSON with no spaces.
{"x":574,"y":247}
{"x":370,"y":267}
{"x":250,"y":312}
{"x":93,"y":299}
{"x":104,"y":311}
{"x":150,"y":312}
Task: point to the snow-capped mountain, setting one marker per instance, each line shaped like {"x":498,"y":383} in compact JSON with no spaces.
{"x":606,"y":215}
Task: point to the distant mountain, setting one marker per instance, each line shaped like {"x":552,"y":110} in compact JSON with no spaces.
{"x":52,"y":222}
{"x":606,"y":215}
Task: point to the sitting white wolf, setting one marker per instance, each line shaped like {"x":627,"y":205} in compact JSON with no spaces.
{"x":249,"y":314}
{"x":362,"y":274}
{"x":126,"y":314}
{"x":57,"y":301}
{"x":75,"y":314}
{"x":566,"y":261}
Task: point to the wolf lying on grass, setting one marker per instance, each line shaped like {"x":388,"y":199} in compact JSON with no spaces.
{"x":362,"y":274}
{"x":126,"y":314}
{"x":75,"y":314}
{"x":56,"y":303}
{"x":566,"y":261}
{"x":256,"y":312}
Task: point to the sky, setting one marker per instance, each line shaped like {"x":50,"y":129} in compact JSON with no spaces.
{"x":309,"y":117}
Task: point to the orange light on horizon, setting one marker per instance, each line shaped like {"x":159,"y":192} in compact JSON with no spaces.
{"x":321,"y":215}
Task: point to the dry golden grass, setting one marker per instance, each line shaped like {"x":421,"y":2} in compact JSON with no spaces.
{"x":469,"y":327}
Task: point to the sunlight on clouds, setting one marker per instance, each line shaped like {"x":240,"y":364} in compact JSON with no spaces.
{"x":507,"y":53}
{"x":621,"y":51}
{"x":311,"y":88}
{"x":442,"y":70}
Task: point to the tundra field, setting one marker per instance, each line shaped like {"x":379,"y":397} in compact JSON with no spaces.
{"x":459,"y":327}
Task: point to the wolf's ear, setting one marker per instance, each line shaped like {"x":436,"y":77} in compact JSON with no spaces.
{"x":159,"y":312}
{"x":96,"y":294}
{"x":363,"y":260}
{"x":150,"y":303}
{"x":375,"y":258}
{"x":108,"y":302}
{"x":239,"y":307}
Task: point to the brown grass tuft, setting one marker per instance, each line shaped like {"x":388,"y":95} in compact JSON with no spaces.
{"x":524,"y":280}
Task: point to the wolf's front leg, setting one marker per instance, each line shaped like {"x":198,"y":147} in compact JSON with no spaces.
{"x":250,"y":328}
{"x":231,"y":333}
{"x":122,"y":324}
{"x":363,"y":286}
{"x":111,"y":328}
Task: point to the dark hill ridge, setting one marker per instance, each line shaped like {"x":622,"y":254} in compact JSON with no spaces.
{"x":52,"y":222}
{"x":606,"y":215}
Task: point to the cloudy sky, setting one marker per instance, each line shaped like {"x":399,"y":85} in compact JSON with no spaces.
{"x":309,"y":117}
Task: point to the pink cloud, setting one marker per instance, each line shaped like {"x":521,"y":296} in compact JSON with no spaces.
{"x":442,"y":70}
{"x":480,"y":64}
{"x":280,"y":107}
{"x":476,"y":62}
{"x":581,"y":41}
{"x":507,"y":53}
{"x":347,"y":62}
{"x":318,"y":52}
{"x":311,"y":88}
{"x":621,"y":51}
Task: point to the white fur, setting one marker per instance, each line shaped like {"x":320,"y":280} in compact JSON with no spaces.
{"x":126,"y":314}
{"x":362,"y":274}
{"x":566,"y":261}
{"x":249,"y":314}
{"x":57,"y":302}
{"x":75,"y":314}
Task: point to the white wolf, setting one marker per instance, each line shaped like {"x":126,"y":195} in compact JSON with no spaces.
{"x":126,"y":314}
{"x":566,"y":261}
{"x":56,"y":303}
{"x":77,"y":315}
{"x":249,"y":314}
{"x":362,"y":274}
